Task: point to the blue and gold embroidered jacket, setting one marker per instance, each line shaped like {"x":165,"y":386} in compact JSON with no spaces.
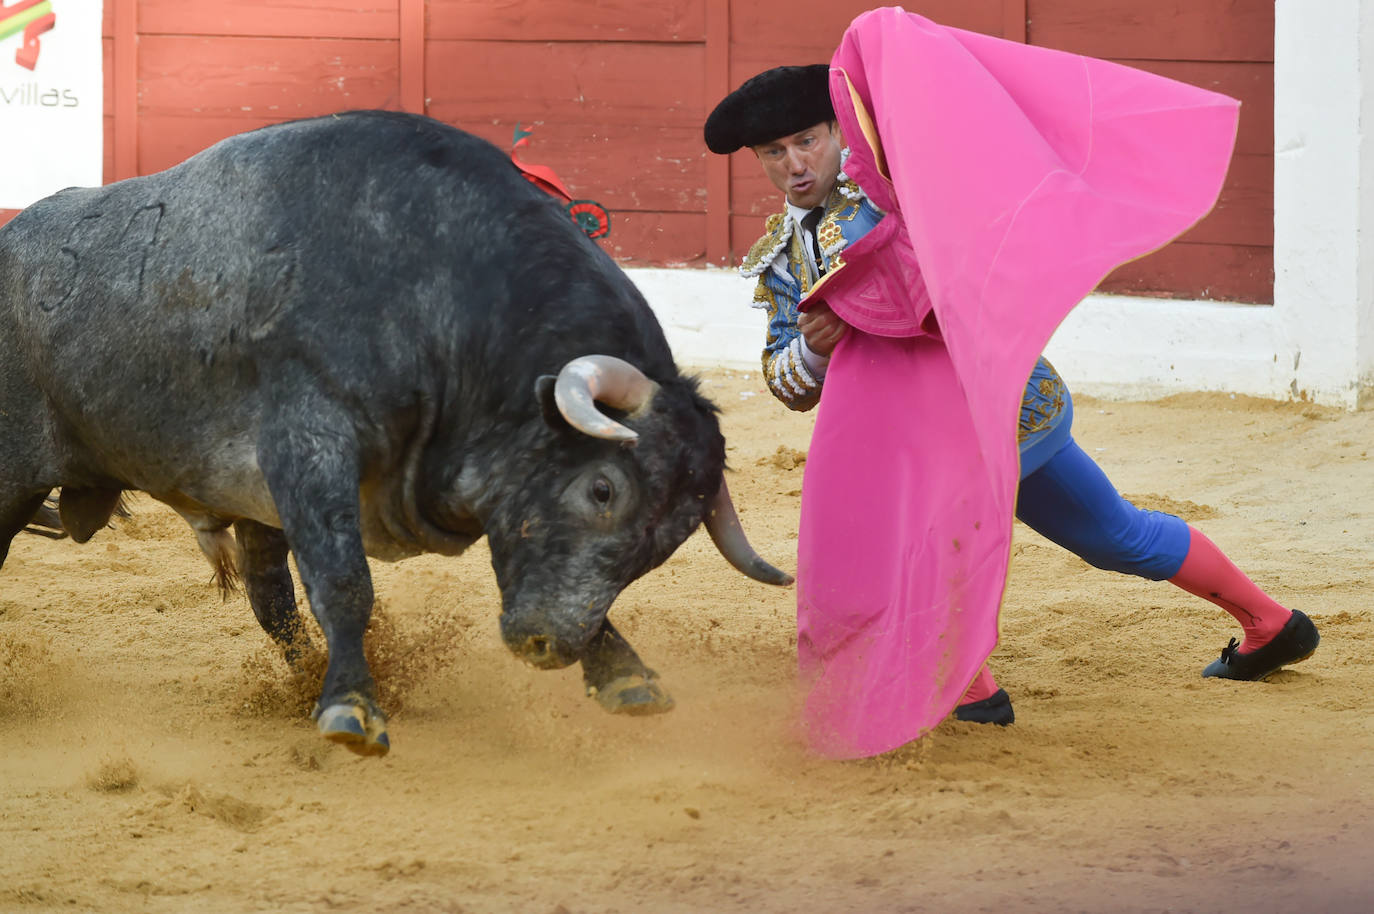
{"x":779,"y":264}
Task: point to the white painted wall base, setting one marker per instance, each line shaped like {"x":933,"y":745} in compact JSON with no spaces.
{"x":1140,"y":348}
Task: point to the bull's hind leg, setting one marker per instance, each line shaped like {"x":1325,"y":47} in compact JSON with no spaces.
{"x":618,"y":679}
{"x":267,"y":579}
{"x":313,"y":477}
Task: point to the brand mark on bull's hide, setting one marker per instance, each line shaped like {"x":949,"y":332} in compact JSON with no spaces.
{"x":90,"y":251}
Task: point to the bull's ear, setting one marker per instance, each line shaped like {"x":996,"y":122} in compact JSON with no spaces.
{"x":543,"y":392}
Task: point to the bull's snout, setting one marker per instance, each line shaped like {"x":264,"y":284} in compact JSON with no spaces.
{"x":542,"y":648}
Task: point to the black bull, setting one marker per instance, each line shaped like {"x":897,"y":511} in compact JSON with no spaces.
{"x":349,"y":336}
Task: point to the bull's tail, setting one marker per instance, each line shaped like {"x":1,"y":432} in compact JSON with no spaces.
{"x":222,"y":550}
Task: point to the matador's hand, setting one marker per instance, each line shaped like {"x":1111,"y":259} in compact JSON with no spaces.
{"x":821,"y":328}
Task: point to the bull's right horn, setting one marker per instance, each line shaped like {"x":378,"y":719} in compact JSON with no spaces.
{"x":607,"y":379}
{"x":723,"y":524}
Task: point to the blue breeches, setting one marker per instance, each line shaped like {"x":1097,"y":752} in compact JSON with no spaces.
{"x":1070,"y":501}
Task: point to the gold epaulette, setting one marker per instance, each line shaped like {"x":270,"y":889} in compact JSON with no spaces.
{"x":777,"y":231}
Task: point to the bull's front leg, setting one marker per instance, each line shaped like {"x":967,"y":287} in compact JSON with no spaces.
{"x":313,"y":476}
{"x":618,"y":679}
{"x":267,"y":580}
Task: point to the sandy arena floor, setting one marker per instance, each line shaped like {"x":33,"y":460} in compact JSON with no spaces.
{"x":157,"y":759}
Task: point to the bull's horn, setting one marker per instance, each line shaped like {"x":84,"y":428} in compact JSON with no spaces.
{"x":723,"y":524}
{"x":615,"y":382}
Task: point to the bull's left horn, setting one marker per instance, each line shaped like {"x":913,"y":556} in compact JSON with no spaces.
{"x":723,"y":524}
{"x":604,"y":378}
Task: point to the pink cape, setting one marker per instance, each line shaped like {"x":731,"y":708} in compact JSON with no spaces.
{"x":1014,"y":179}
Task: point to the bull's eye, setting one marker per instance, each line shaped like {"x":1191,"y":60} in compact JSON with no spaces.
{"x":601,"y":491}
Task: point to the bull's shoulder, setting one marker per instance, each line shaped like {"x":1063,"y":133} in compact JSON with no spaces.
{"x":773,"y":242}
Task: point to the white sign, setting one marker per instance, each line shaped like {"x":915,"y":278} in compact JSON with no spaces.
{"x":51,"y":98}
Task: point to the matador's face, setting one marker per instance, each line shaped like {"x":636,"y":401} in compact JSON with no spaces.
{"x":803,"y":166}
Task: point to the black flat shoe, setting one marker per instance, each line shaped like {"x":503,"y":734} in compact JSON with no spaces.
{"x":1294,"y":643}
{"x":995,"y":709}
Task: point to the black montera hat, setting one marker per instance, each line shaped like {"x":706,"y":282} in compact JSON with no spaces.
{"x":776,"y":103}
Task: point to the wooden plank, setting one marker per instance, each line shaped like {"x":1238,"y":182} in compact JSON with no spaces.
{"x":1206,"y":271}
{"x":1244,"y":214}
{"x":744,"y":231}
{"x":271,"y":18}
{"x":568,"y":20}
{"x":637,"y":236}
{"x":673,"y":183}
{"x":808,"y":31}
{"x":623,"y":167}
{"x":107,"y":45}
{"x":124,"y":80}
{"x":814,"y":28}
{"x":717,"y":167}
{"x":748,"y":60}
{"x":645,"y":85}
{"x":1243,"y":218}
{"x":107,"y":62}
{"x":273,"y":78}
{"x":1014,"y":20}
{"x":165,"y":140}
{"x":991,"y":17}
{"x":657,"y":239}
{"x":412,"y":54}
{"x":753,"y":194}
{"x":1252,"y":83}
{"x":1156,"y":29}
{"x":814,"y":31}
{"x":107,"y":171}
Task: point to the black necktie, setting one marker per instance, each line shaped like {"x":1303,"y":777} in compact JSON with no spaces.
{"x":810,"y":222}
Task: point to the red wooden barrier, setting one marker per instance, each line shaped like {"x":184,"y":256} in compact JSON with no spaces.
{"x":616,"y":92}
{"x":1223,"y":45}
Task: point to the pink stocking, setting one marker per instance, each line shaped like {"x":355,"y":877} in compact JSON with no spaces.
{"x":1208,"y":573}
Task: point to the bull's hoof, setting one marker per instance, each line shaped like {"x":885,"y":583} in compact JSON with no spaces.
{"x":634,"y":695}
{"x":354,"y":728}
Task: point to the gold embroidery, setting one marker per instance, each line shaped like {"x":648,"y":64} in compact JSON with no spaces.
{"x":767,"y":244}
{"x":843,"y":205}
{"x":784,"y":373}
{"x":839,"y":208}
{"x":765,"y":296}
{"x":828,"y":234}
{"x":1042,"y":404}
